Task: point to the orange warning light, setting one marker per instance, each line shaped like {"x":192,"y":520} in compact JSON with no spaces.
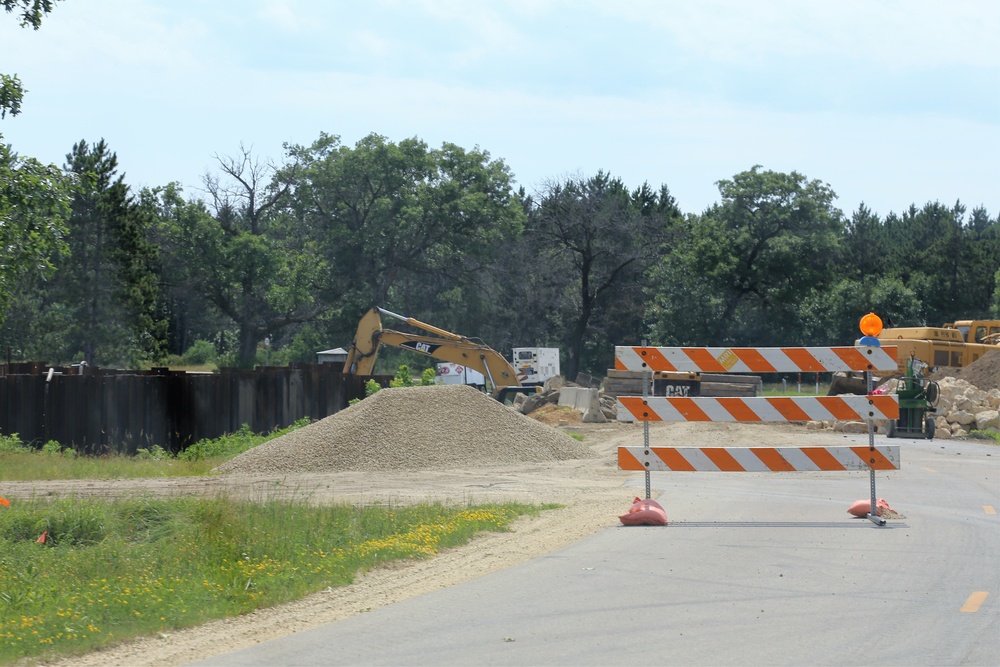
{"x":871,"y":324}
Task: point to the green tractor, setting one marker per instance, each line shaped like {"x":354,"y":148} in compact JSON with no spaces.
{"x":918,"y":397}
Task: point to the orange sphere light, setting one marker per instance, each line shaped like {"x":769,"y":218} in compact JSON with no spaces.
{"x":871,"y":325}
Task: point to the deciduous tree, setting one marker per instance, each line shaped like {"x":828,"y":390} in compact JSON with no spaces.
{"x":31,"y":13}
{"x":244,"y":255}
{"x":747,"y":263}
{"x":604,"y":239}
{"x":34,"y":204}
{"x":405,"y":226}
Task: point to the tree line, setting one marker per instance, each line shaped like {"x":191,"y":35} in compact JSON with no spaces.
{"x":295,"y":252}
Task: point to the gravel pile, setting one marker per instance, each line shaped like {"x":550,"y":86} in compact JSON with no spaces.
{"x":983,"y":373}
{"x":412,"y":428}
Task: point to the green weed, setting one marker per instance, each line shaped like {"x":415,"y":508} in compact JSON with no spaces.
{"x":21,"y":462}
{"x":108,"y":571}
{"x":795,"y":389}
{"x":987,"y":435}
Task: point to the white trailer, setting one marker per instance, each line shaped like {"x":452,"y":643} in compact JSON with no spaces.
{"x":449,"y":373}
{"x":535,"y":365}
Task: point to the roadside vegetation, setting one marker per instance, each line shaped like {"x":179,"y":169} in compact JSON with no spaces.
{"x":80,"y":574}
{"x":987,"y":435}
{"x":794,"y":388}
{"x":22,"y":462}
{"x":77,"y":575}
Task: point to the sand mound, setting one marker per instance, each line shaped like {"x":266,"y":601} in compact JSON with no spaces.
{"x":983,"y":373}
{"x":556,"y":415}
{"x":412,"y":428}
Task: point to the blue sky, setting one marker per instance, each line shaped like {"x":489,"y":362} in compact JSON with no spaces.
{"x":891,"y":103}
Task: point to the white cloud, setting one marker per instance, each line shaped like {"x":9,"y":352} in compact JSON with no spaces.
{"x":897,"y":32}
{"x":551,"y":87}
{"x":281,"y":14}
{"x":370,"y":44}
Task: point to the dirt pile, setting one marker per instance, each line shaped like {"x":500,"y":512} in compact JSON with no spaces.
{"x":557,"y":415}
{"x":412,"y":428}
{"x":983,"y":373}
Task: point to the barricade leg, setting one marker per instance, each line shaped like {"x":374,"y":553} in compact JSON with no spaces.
{"x":873,"y":515}
{"x":645,"y":429}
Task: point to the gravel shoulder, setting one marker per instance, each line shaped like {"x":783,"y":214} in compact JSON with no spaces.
{"x":592,"y":490}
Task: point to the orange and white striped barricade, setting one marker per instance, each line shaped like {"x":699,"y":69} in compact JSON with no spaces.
{"x":758,"y":459}
{"x":758,"y":409}
{"x":755,"y":359}
{"x":648,"y":409}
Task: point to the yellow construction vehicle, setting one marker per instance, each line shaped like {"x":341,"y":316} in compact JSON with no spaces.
{"x":985,"y":332}
{"x":474,"y":354}
{"x":956,"y":344}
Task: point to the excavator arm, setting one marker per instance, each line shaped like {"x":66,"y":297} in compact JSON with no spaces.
{"x":477,"y":357}
{"x":364,"y":348}
{"x":444,"y":345}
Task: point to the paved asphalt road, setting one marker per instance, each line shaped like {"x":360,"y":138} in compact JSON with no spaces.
{"x":754,"y":569}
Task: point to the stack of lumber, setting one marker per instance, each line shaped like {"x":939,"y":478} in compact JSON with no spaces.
{"x":629,"y":383}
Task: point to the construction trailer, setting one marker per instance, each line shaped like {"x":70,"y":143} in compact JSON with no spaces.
{"x":535,"y":365}
{"x":452,"y":373}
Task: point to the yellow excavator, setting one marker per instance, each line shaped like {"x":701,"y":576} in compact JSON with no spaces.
{"x":956,"y":344}
{"x":502,"y":378}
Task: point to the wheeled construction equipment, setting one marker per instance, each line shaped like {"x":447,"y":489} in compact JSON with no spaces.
{"x":918,"y":397}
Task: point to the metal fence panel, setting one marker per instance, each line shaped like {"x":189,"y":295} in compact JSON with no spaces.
{"x":99,"y":411}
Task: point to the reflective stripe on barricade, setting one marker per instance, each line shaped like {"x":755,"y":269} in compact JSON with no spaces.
{"x":759,"y":409}
{"x":758,"y":459}
{"x":756,"y":359}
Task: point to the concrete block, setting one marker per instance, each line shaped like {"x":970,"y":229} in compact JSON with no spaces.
{"x":581,"y":399}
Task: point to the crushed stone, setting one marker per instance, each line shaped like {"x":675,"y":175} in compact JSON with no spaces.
{"x":410,"y":429}
{"x":983,"y":373}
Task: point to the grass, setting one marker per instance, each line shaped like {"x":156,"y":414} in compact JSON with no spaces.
{"x":793,"y":389}
{"x":22,"y":462}
{"x":111,"y":570}
{"x":987,"y":435}
{"x":80,"y":574}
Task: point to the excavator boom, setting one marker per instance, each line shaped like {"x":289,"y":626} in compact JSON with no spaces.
{"x":444,"y":345}
{"x":472,"y":355}
{"x":422,"y":325}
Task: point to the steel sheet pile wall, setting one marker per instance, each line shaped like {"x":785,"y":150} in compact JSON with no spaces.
{"x":102,"y":411}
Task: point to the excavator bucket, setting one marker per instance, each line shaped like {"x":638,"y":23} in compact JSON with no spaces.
{"x":853,"y":383}
{"x":364,"y":347}
{"x":847,"y":383}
